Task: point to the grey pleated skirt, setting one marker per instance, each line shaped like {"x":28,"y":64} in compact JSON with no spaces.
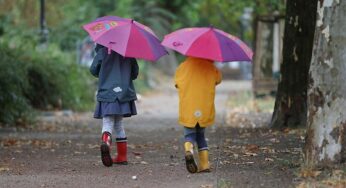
{"x":126,"y":109}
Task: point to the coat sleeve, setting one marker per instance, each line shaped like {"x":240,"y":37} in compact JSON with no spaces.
{"x":218,"y":76}
{"x":134,"y":69}
{"x":177,"y":76}
{"x":96,"y":64}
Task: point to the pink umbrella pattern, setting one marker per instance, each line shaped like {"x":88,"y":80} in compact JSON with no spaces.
{"x":209,"y":43}
{"x":126,"y":37}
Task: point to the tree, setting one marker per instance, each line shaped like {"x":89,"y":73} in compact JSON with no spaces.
{"x":327,"y":90}
{"x":290,"y":104}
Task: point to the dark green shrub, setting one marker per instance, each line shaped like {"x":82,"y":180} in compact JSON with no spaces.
{"x":55,"y":82}
{"x":44,"y":91}
{"x":80,"y":88}
{"x":44,"y":80}
{"x":14,"y":105}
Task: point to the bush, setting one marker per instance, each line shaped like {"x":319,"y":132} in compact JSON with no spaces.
{"x":55,"y":83}
{"x":14,"y":105}
{"x":44,"y":80}
{"x":141,"y":83}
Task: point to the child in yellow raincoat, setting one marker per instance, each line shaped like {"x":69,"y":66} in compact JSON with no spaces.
{"x":196,"y":80}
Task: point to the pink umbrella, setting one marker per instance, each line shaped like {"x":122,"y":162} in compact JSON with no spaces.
{"x":208,"y":43}
{"x":126,"y":36}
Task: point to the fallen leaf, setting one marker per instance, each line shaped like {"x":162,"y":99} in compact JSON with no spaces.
{"x":268,"y":173}
{"x":338,"y":172}
{"x":269,"y":159}
{"x":131,"y":146}
{"x":90,"y":146}
{"x":309,"y":173}
{"x":250,"y":154}
{"x":4,"y":169}
{"x":9,"y":142}
{"x":286,"y":130}
{"x":173,"y":164}
{"x":144,"y":163}
{"x":206,"y":186}
{"x":136,"y":153}
{"x":252,"y":148}
{"x":274,"y":140}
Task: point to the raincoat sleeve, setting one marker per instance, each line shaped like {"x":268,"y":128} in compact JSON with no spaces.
{"x":177,"y":76}
{"x":134,"y":69}
{"x":218,"y":76}
{"x":96,"y":64}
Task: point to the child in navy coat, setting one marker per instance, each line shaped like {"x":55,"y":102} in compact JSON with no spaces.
{"x":116,"y":97}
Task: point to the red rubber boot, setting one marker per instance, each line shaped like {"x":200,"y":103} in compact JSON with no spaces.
{"x":122,"y":152}
{"x":106,"y":149}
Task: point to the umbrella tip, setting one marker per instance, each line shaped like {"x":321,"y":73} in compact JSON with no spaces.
{"x":211,"y":26}
{"x":132,"y":20}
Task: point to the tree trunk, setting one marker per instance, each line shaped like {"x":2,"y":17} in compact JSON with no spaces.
{"x":290,"y":104}
{"x":327,"y":89}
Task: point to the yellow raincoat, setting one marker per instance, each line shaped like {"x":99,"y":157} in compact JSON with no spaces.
{"x":196,"y":79}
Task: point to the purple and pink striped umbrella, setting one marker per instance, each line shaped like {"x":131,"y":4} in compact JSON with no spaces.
{"x":208,"y":43}
{"x":126,"y":37}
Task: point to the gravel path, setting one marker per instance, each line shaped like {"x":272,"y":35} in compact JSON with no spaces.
{"x":64,"y":152}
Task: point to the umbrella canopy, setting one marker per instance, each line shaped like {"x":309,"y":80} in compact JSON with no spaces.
{"x":209,"y":43}
{"x":126,"y":37}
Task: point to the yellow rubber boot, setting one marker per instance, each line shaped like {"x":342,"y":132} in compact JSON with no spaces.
{"x":203,"y":161}
{"x":191,"y":165}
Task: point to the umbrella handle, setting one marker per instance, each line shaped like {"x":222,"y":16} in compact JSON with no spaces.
{"x":110,"y":47}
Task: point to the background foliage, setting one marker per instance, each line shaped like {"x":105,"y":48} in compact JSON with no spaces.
{"x":47,"y":77}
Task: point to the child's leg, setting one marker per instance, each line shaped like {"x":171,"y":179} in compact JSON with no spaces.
{"x":107,"y":129}
{"x":190,"y":139}
{"x":190,"y":135}
{"x":118,"y":127}
{"x":200,"y":139}
{"x":121,"y":141}
{"x":202,"y":150}
{"x":107,"y":124}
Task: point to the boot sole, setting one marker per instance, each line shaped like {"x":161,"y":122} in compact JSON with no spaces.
{"x":121,"y":163}
{"x":191,"y":165}
{"x":105,"y":155}
{"x":204,"y":171}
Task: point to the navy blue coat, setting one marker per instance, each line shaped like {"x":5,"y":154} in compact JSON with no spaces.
{"x":115,"y":74}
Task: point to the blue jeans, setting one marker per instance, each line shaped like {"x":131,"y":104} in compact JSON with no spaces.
{"x":196,"y":135}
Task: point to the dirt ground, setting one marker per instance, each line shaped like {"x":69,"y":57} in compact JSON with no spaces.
{"x":63,"y":150}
